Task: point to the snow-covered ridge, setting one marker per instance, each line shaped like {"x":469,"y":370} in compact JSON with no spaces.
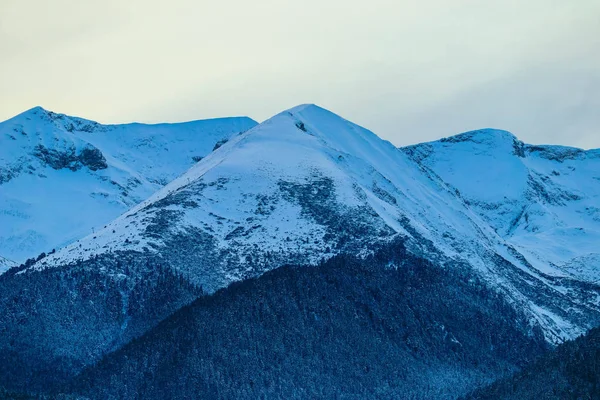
{"x":62,"y":177}
{"x":543,"y":200}
{"x":5,"y":264}
{"x":482,"y":136}
{"x":308,"y":184}
{"x":562,"y":153}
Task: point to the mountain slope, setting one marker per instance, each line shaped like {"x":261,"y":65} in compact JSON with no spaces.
{"x":304,"y":186}
{"x":543,"y":200}
{"x":61,"y":177}
{"x":5,"y":264}
{"x":342,"y":329}
{"x":572,"y":371}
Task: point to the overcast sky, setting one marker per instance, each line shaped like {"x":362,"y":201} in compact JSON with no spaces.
{"x":410,"y":71}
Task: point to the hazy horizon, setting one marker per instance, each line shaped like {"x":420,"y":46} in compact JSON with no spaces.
{"x":409,"y":72}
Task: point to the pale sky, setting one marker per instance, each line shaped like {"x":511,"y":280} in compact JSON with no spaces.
{"x":410,"y":71}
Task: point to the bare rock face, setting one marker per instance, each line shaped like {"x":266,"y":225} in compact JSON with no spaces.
{"x":93,"y":159}
{"x":90,"y":157}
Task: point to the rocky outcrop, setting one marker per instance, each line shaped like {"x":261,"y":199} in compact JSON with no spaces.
{"x":90,"y":157}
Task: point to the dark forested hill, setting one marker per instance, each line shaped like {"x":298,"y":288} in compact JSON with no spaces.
{"x":393,"y":326}
{"x":6,"y":395}
{"x":572,"y":371}
{"x":56,"y":321}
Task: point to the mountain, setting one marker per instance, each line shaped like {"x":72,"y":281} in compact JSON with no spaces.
{"x":572,"y":371}
{"x":6,"y":264}
{"x":543,"y":200}
{"x":307,"y":185}
{"x":62,"y":177}
{"x":342,"y":329}
{"x":302,"y":187}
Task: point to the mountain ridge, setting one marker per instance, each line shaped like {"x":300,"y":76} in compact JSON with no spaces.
{"x":303,"y":187}
{"x":541,"y":199}
{"x":58,"y":116}
{"x":340,"y":162}
{"x":496,"y":135}
{"x":6,"y":264}
{"x":48,"y":160}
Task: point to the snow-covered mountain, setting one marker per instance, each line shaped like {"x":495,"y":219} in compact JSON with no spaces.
{"x":62,"y":177}
{"x":307,"y":184}
{"x":5,"y":264}
{"x":304,"y":186}
{"x":543,"y":200}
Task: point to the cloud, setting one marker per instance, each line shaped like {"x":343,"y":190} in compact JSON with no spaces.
{"x":408,"y":70}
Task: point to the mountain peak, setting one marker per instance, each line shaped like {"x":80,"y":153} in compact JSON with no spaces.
{"x":36,"y":111}
{"x":5,"y":264}
{"x":486,"y":135}
{"x":312,"y":112}
{"x":303,"y":107}
{"x":484,"y":141}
